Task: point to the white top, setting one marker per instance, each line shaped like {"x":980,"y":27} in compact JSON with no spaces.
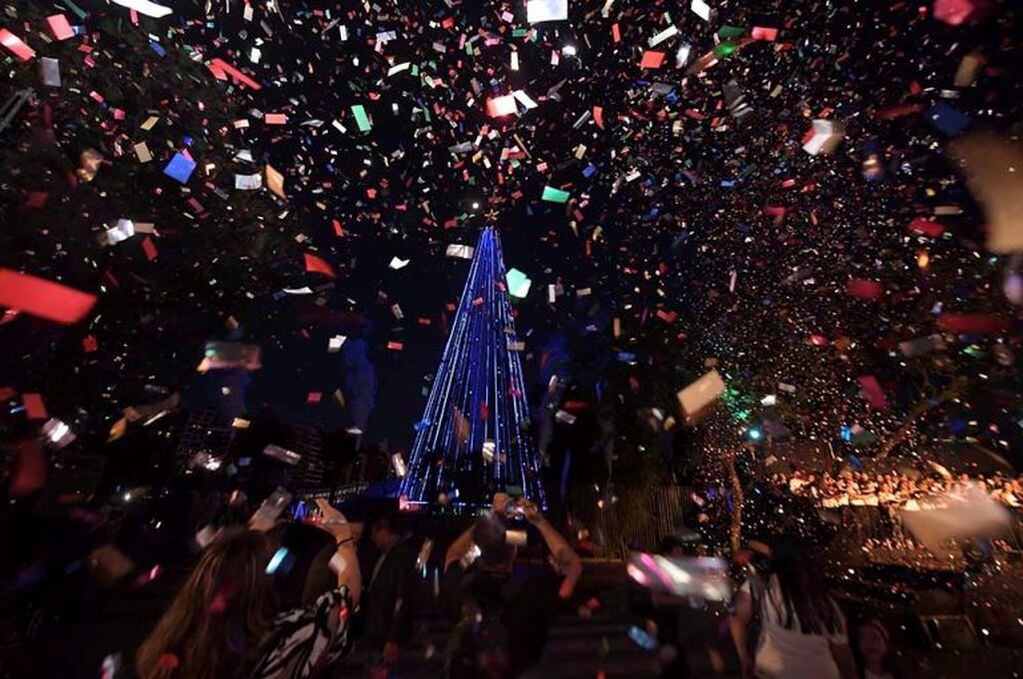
{"x":782,"y":652}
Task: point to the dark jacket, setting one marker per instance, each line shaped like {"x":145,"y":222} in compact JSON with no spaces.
{"x":388,"y":596}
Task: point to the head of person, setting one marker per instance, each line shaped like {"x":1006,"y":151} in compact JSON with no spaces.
{"x":872,"y":641}
{"x":215,"y":623}
{"x":491,"y":536}
{"x":805,"y":603}
{"x":873,"y":648}
{"x":386,"y":531}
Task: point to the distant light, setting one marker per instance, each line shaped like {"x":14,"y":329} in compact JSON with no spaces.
{"x":475,"y":206}
{"x":755,"y":434}
{"x":568,"y":50}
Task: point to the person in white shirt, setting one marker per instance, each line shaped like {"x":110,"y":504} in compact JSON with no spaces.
{"x":803,"y":631}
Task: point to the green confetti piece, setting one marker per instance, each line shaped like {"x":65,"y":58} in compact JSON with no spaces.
{"x":518,"y":283}
{"x":361,"y":119}
{"x":519,"y":32}
{"x":727,"y":32}
{"x":79,"y":12}
{"x":553,"y":195}
{"x":864,"y":439}
{"x":723,"y":49}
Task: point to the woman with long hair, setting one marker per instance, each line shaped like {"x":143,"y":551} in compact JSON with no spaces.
{"x":802,"y":630}
{"x":223,"y":622}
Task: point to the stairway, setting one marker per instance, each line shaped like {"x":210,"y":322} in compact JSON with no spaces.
{"x":576,"y":649}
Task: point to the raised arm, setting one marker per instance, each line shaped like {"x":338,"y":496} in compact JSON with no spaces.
{"x":458,"y":548}
{"x":564,"y":556}
{"x":346,"y":562}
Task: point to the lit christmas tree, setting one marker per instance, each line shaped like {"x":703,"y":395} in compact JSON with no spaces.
{"x":473,"y":439}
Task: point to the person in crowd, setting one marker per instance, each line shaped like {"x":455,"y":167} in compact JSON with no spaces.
{"x":802,"y":629}
{"x":501,"y":604}
{"x":388,"y":597}
{"x":223,"y":622}
{"x":873,"y":651}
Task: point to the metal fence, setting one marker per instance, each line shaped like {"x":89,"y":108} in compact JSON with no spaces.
{"x":637,"y":521}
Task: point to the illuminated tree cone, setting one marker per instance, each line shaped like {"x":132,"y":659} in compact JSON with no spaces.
{"x":474,"y":439}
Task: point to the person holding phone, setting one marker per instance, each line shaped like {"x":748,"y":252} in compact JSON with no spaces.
{"x":501,"y":604}
{"x":223,"y":622}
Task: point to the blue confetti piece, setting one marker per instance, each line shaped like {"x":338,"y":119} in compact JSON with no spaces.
{"x":946,"y":119}
{"x":642,"y":639}
{"x":180,"y":168}
{"x":160,"y":51}
{"x":277,"y":560}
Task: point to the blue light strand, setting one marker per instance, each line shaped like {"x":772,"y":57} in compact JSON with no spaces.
{"x":478,"y":368}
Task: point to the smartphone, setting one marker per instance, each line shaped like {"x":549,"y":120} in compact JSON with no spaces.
{"x":301,"y":510}
{"x":515,"y":510}
{"x":273,"y":506}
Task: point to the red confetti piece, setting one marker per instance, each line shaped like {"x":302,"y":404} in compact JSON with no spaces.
{"x":59,"y":27}
{"x":652,"y":59}
{"x":859,"y":287}
{"x":16,"y":45}
{"x":980,"y":324}
{"x":35,"y":409}
{"x":668,"y":317}
{"x":899,"y":111}
{"x":871,"y":390}
{"x":958,"y":12}
{"x":316,"y":264}
{"x":761,"y":33}
{"x":222,"y":71}
{"x":149,"y":248}
{"x":926,"y":227}
{"x":43,"y":298}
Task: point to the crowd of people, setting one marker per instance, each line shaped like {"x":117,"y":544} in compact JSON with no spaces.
{"x":871,"y":508}
{"x":897,"y":489}
{"x":239,"y":612}
{"x":286,"y":587}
